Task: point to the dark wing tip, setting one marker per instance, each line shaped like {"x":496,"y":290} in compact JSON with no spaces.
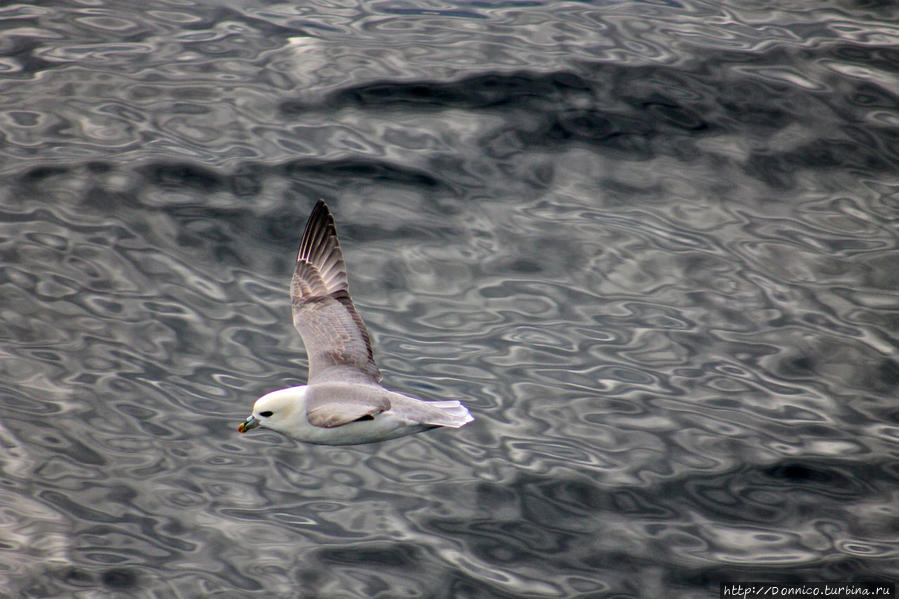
{"x":320,"y":266}
{"x":319,"y":228}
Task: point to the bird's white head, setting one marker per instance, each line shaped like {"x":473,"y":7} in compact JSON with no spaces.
{"x":281,"y":410}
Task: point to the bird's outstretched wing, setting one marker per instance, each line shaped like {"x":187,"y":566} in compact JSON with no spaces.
{"x":337,"y":343}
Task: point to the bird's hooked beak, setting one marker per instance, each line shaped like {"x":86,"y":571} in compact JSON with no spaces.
{"x":249,"y":424}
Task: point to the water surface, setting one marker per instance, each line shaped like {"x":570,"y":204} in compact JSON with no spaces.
{"x":652,"y":246}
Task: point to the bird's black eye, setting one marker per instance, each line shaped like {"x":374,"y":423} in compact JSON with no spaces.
{"x":266,"y":414}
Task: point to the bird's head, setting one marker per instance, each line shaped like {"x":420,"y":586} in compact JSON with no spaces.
{"x":277,"y":410}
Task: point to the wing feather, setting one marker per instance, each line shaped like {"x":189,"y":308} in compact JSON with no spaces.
{"x":333,"y":405}
{"x":336,"y":340}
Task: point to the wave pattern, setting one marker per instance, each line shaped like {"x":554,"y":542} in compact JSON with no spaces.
{"x":651,"y":245}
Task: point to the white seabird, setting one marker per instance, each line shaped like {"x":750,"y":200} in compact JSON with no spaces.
{"x":343,"y":402}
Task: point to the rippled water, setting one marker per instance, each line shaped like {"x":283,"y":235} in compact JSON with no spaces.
{"x":653,"y":247}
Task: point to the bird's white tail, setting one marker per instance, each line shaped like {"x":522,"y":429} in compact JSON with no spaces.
{"x":449,"y":413}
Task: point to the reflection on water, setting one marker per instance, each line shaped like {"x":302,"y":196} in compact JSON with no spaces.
{"x":651,"y":246}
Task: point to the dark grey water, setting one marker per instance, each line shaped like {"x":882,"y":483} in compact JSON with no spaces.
{"x":654,"y":246}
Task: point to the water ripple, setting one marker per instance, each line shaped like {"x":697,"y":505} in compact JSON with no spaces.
{"x":651,"y":245}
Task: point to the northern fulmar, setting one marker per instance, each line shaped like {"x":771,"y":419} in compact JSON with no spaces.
{"x":343,"y":402}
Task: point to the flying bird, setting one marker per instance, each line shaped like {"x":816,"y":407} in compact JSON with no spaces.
{"x":343,"y":402}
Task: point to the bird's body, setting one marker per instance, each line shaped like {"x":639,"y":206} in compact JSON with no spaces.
{"x":343,"y":402}
{"x":402,"y":415}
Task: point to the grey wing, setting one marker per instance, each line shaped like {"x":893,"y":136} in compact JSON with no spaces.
{"x":329,"y":406}
{"x":337,"y":343}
